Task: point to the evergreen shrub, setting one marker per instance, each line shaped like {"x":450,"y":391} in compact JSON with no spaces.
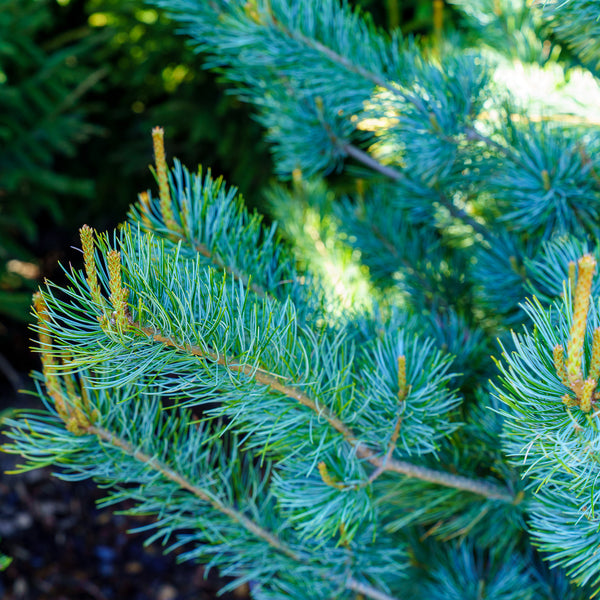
{"x":398,"y":400}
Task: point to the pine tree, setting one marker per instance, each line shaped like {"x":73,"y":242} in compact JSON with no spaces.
{"x":325,"y":442}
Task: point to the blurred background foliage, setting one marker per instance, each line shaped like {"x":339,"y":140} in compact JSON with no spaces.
{"x":82,"y":82}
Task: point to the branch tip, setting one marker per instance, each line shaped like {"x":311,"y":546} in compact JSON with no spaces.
{"x":559,"y":363}
{"x":118,"y":294}
{"x":327,"y":478}
{"x":403,"y":389}
{"x":587,"y":266}
{"x":587,"y":391}
{"x":162,"y":171}
{"x":144,"y":199}
{"x":584,"y":389}
{"x":86,"y":234}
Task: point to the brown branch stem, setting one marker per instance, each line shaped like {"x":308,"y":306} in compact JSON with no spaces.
{"x":367,"y":159}
{"x":335,"y":57}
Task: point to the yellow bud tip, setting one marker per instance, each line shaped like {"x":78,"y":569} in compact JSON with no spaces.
{"x":401,"y":377}
{"x":39,"y":304}
{"x":594,"y":372}
{"x":118,"y":294}
{"x":41,"y":310}
{"x":144,"y":198}
{"x":587,"y":267}
{"x":559,"y":363}
{"x":587,"y":262}
{"x":158,"y":141}
{"x":86,"y":234}
{"x":326,"y":477}
{"x":586,"y":395}
{"x":163,"y":178}
{"x":546,"y":180}
{"x":572,"y":273}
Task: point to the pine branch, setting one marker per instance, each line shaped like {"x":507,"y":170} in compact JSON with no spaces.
{"x":366,"y":590}
{"x":153,"y":466}
{"x":473,"y":134}
{"x":275,"y":383}
{"x":372,"y":163}
{"x":187,"y":458}
{"x":267,"y":378}
{"x":156,"y":465}
{"x":482,"y":488}
{"x":210,"y":220}
{"x":401,"y":93}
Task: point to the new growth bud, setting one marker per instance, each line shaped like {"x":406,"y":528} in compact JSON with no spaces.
{"x":559,"y":363}
{"x":144,"y":199}
{"x":86,"y":235}
{"x":327,"y":478}
{"x":587,"y":266}
{"x":118,"y":294}
{"x":594,"y":371}
{"x":76,"y":414}
{"x":402,"y":387}
{"x":166,"y":207}
{"x":571,"y":373}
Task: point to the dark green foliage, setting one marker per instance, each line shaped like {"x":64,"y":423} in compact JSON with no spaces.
{"x":42,"y":81}
{"x":158,"y":79}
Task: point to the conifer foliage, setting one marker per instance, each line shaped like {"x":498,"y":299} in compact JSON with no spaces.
{"x":323,"y":448}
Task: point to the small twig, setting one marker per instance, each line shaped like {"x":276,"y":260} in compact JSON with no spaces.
{"x":473,"y":134}
{"x":248,"y":524}
{"x":367,"y":590}
{"x":341,"y":60}
{"x":461,"y":215}
{"x":459,"y":482}
{"x":390,"y":172}
{"x":82,"y":88}
{"x":367,"y":160}
{"x":90,"y":588}
{"x":257,"y":289}
{"x":388,"y":455}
